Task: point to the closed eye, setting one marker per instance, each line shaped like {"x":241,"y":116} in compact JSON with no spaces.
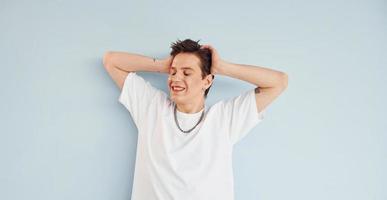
{"x":173,"y":73}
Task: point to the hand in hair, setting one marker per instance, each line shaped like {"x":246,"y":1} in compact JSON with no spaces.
{"x":217,"y":62}
{"x":167,"y":62}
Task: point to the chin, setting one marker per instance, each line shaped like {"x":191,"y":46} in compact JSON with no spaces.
{"x":177,"y":99}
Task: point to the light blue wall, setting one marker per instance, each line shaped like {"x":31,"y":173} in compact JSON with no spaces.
{"x":65,"y":136}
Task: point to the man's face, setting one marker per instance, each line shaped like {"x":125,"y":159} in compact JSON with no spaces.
{"x":186,"y":75}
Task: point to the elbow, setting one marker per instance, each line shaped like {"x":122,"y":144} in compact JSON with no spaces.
{"x":284,"y":80}
{"x":106,"y":60}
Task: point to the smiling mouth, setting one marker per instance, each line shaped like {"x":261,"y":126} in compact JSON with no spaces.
{"x":176,"y":89}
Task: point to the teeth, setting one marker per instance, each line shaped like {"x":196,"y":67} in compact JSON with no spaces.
{"x":176,"y":88}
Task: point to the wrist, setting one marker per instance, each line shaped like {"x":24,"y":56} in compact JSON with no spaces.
{"x":160,"y":65}
{"x":222,"y":67}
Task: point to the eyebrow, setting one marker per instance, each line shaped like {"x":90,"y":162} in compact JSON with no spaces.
{"x":184,"y":68}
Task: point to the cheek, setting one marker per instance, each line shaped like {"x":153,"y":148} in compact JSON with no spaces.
{"x":168,"y":82}
{"x":194,"y":85}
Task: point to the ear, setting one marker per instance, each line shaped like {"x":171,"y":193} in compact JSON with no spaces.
{"x":209,"y":80}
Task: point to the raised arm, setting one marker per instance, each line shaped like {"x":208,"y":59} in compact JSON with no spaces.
{"x":270,"y":83}
{"x":119,"y":64}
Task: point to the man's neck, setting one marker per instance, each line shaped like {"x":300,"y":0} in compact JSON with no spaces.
{"x":190,"y":108}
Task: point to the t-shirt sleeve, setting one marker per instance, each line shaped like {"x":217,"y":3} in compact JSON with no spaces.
{"x":136,"y":95}
{"x":241,"y":115}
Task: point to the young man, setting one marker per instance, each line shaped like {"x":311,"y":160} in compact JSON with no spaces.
{"x":184,"y":149}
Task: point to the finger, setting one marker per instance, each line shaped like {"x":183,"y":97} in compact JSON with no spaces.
{"x":211,"y":48}
{"x":206,"y":46}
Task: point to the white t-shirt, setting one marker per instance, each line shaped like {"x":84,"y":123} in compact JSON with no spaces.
{"x":173,"y":165}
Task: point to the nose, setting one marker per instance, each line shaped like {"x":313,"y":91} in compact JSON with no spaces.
{"x":175,"y":77}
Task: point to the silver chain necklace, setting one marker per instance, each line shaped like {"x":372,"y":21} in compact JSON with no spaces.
{"x":177,"y":123}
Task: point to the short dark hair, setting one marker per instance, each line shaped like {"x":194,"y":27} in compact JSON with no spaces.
{"x":190,"y":46}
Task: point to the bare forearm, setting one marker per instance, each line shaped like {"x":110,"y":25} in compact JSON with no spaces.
{"x":131,"y":62}
{"x":259,"y":76}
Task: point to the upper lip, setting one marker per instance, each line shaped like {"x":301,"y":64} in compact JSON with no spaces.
{"x":173,"y":85}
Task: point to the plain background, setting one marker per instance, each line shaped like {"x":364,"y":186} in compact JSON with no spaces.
{"x":64,"y":134}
